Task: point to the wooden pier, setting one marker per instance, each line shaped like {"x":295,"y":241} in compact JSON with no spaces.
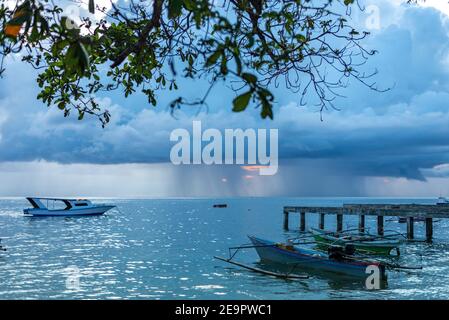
{"x":408,"y":211}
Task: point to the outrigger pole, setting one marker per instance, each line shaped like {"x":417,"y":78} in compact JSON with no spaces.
{"x":262,"y":271}
{"x":233,"y":251}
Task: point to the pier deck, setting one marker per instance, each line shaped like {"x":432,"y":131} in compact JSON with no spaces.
{"x":408,"y":211}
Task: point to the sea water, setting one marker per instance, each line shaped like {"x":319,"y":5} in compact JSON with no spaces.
{"x":164,"y":248}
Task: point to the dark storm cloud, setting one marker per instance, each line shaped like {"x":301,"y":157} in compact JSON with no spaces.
{"x":401,"y":133}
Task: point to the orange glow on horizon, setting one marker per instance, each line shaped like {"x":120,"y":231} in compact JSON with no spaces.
{"x":253,"y":168}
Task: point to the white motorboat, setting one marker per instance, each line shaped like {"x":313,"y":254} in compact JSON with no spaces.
{"x":64,"y":207}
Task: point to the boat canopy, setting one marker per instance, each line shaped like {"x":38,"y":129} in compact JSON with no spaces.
{"x":37,"y":203}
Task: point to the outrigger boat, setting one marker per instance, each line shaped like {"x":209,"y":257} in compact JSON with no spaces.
{"x":335,"y":261}
{"x":363,"y":243}
{"x":64,"y":207}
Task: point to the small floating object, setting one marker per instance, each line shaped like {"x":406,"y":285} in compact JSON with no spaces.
{"x":64,"y":207}
{"x":1,"y":247}
{"x":220,"y":205}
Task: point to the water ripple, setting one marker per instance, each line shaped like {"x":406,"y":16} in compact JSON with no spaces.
{"x":163,"y":249}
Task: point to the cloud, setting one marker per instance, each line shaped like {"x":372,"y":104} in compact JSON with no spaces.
{"x":400,"y":133}
{"x":438,"y":171}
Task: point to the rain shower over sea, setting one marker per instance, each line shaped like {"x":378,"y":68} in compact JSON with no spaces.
{"x":164,"y":248}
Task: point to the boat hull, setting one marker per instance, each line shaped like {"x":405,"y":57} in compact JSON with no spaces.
{"x":372,"y":247}
{"x":312,"y":260}
{"x":92,"y":211}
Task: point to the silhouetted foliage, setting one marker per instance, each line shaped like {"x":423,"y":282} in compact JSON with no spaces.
{"x":251,"y":45}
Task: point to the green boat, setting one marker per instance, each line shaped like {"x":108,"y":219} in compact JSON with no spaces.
{"x":367,"y":244}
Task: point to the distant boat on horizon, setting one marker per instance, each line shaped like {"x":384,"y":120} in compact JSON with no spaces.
{"x":64,"y":207}
{"x":442,"y":201}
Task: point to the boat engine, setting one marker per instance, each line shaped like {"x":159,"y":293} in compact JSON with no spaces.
{"x":349,"y":249}
{"x":339,"y":252}
{"x":336,"y":252}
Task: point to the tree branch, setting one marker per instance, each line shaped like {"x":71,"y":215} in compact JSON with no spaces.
{"x":155,"y":22}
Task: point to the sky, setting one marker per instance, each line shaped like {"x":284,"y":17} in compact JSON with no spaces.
{"x":378,"y":144}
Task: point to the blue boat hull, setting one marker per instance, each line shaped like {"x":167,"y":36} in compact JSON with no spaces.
{"x":311,"y":260}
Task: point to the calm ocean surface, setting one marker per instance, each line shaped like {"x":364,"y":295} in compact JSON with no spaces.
{"x":163,"y":249}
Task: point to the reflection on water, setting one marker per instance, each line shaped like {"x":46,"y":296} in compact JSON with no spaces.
{"x":334,"y":281}
{"x":163,"y":249}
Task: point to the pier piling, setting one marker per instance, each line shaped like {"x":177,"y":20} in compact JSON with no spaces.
{"x":339,"y":222}
{"x":362,"y":223}
{"x":429,"y":229}
{"x":286,"y":220}
{"x":302,"y":225}
{"x":410,"y":228}
{"x":321,"y":223}
{"x":380,"y":225}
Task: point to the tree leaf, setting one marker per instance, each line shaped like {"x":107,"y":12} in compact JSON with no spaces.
{"x":189,"y":5}
{"x":241,"y":102}
{"x":223,"y":66}
{"x":84,"y":57}
{"x":76,"y":60}
{"x":213,"y":58}
{"x":21,"y":15}
{"x":174,"y":8}
{"x":267,"y":111}
{"x":250,"y":78}
{"x":12,"y":30}
{"x":92,"y":6}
